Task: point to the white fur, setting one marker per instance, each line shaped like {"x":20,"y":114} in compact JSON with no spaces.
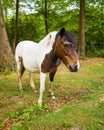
{"x":78,"y":65}
{"x":33,"y":54}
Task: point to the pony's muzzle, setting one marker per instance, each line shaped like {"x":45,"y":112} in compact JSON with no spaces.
{"x":74,"y":68}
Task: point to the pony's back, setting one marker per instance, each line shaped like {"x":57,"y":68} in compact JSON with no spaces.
{"x":25,"y":46}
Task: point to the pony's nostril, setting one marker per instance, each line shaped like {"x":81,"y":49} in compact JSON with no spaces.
{"x":76,"y":66}
{"x":71,"y":68}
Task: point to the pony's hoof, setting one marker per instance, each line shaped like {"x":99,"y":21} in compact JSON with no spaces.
{"x":52,"y":96}
{"x":21,"y":90}
{"x":34,"y":90}
{"x":40,"y":103}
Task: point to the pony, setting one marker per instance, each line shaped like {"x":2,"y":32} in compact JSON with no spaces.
{"x":45,"y":57}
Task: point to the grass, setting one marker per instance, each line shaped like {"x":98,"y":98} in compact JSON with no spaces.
{"x":79,"y":103}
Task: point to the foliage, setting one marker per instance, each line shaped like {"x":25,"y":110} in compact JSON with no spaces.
{"x":94,"y":27}
{"x":27,"y":29}
{"x":60,"y":13}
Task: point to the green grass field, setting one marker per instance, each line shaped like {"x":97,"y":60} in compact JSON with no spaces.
{"x":79,"y":103}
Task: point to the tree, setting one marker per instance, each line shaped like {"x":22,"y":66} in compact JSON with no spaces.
{"x":16,"y":25}
{"x":45,"y":17}
{"x":6,"y":55}
{"x":82,"y":29}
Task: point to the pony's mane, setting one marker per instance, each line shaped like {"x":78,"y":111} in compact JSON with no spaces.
{"x":68,"y":35}
{"x":49,"y":39}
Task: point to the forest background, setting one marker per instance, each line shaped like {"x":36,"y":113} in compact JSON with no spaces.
{"x":39,"y":17}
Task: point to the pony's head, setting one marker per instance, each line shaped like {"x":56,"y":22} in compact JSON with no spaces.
{"x":65,"y":48}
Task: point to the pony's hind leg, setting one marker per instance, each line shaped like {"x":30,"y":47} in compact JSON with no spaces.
{"x":21,"y":70}
{"x":32,"y":82}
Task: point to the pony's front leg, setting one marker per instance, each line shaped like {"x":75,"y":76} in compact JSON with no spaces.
{"x":42,"y":86}
{"x":51,"y":77}
{"x":51,"y":91}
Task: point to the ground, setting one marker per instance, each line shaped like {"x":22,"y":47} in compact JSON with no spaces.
{"x":79,"y":100}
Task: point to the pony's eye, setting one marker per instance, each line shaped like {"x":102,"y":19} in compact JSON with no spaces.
{"x":65,"y":45}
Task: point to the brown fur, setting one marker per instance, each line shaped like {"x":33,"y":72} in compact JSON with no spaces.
{"x":50,"y":61}
{"x":22,"y":66}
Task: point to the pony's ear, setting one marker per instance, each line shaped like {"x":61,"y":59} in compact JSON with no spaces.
{"x":62,"y":31}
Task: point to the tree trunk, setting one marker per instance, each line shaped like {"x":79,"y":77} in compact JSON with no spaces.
{"x":81,"y":48}
{"x":6,"y":55}
{"x":45,"y":17}
{"x":16,"y":26}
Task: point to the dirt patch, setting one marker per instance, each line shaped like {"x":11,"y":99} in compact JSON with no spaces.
{"x":9,"y":123}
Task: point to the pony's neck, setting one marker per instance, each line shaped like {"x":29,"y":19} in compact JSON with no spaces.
{"x":53,"y":57}
{"x":50,"y":61}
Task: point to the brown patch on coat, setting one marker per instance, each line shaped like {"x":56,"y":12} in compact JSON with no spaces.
{"x":22,"y":68}
{"x":50,"y":62}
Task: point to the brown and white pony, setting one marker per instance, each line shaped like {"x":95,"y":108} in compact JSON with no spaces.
{"x":46,"y":56}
